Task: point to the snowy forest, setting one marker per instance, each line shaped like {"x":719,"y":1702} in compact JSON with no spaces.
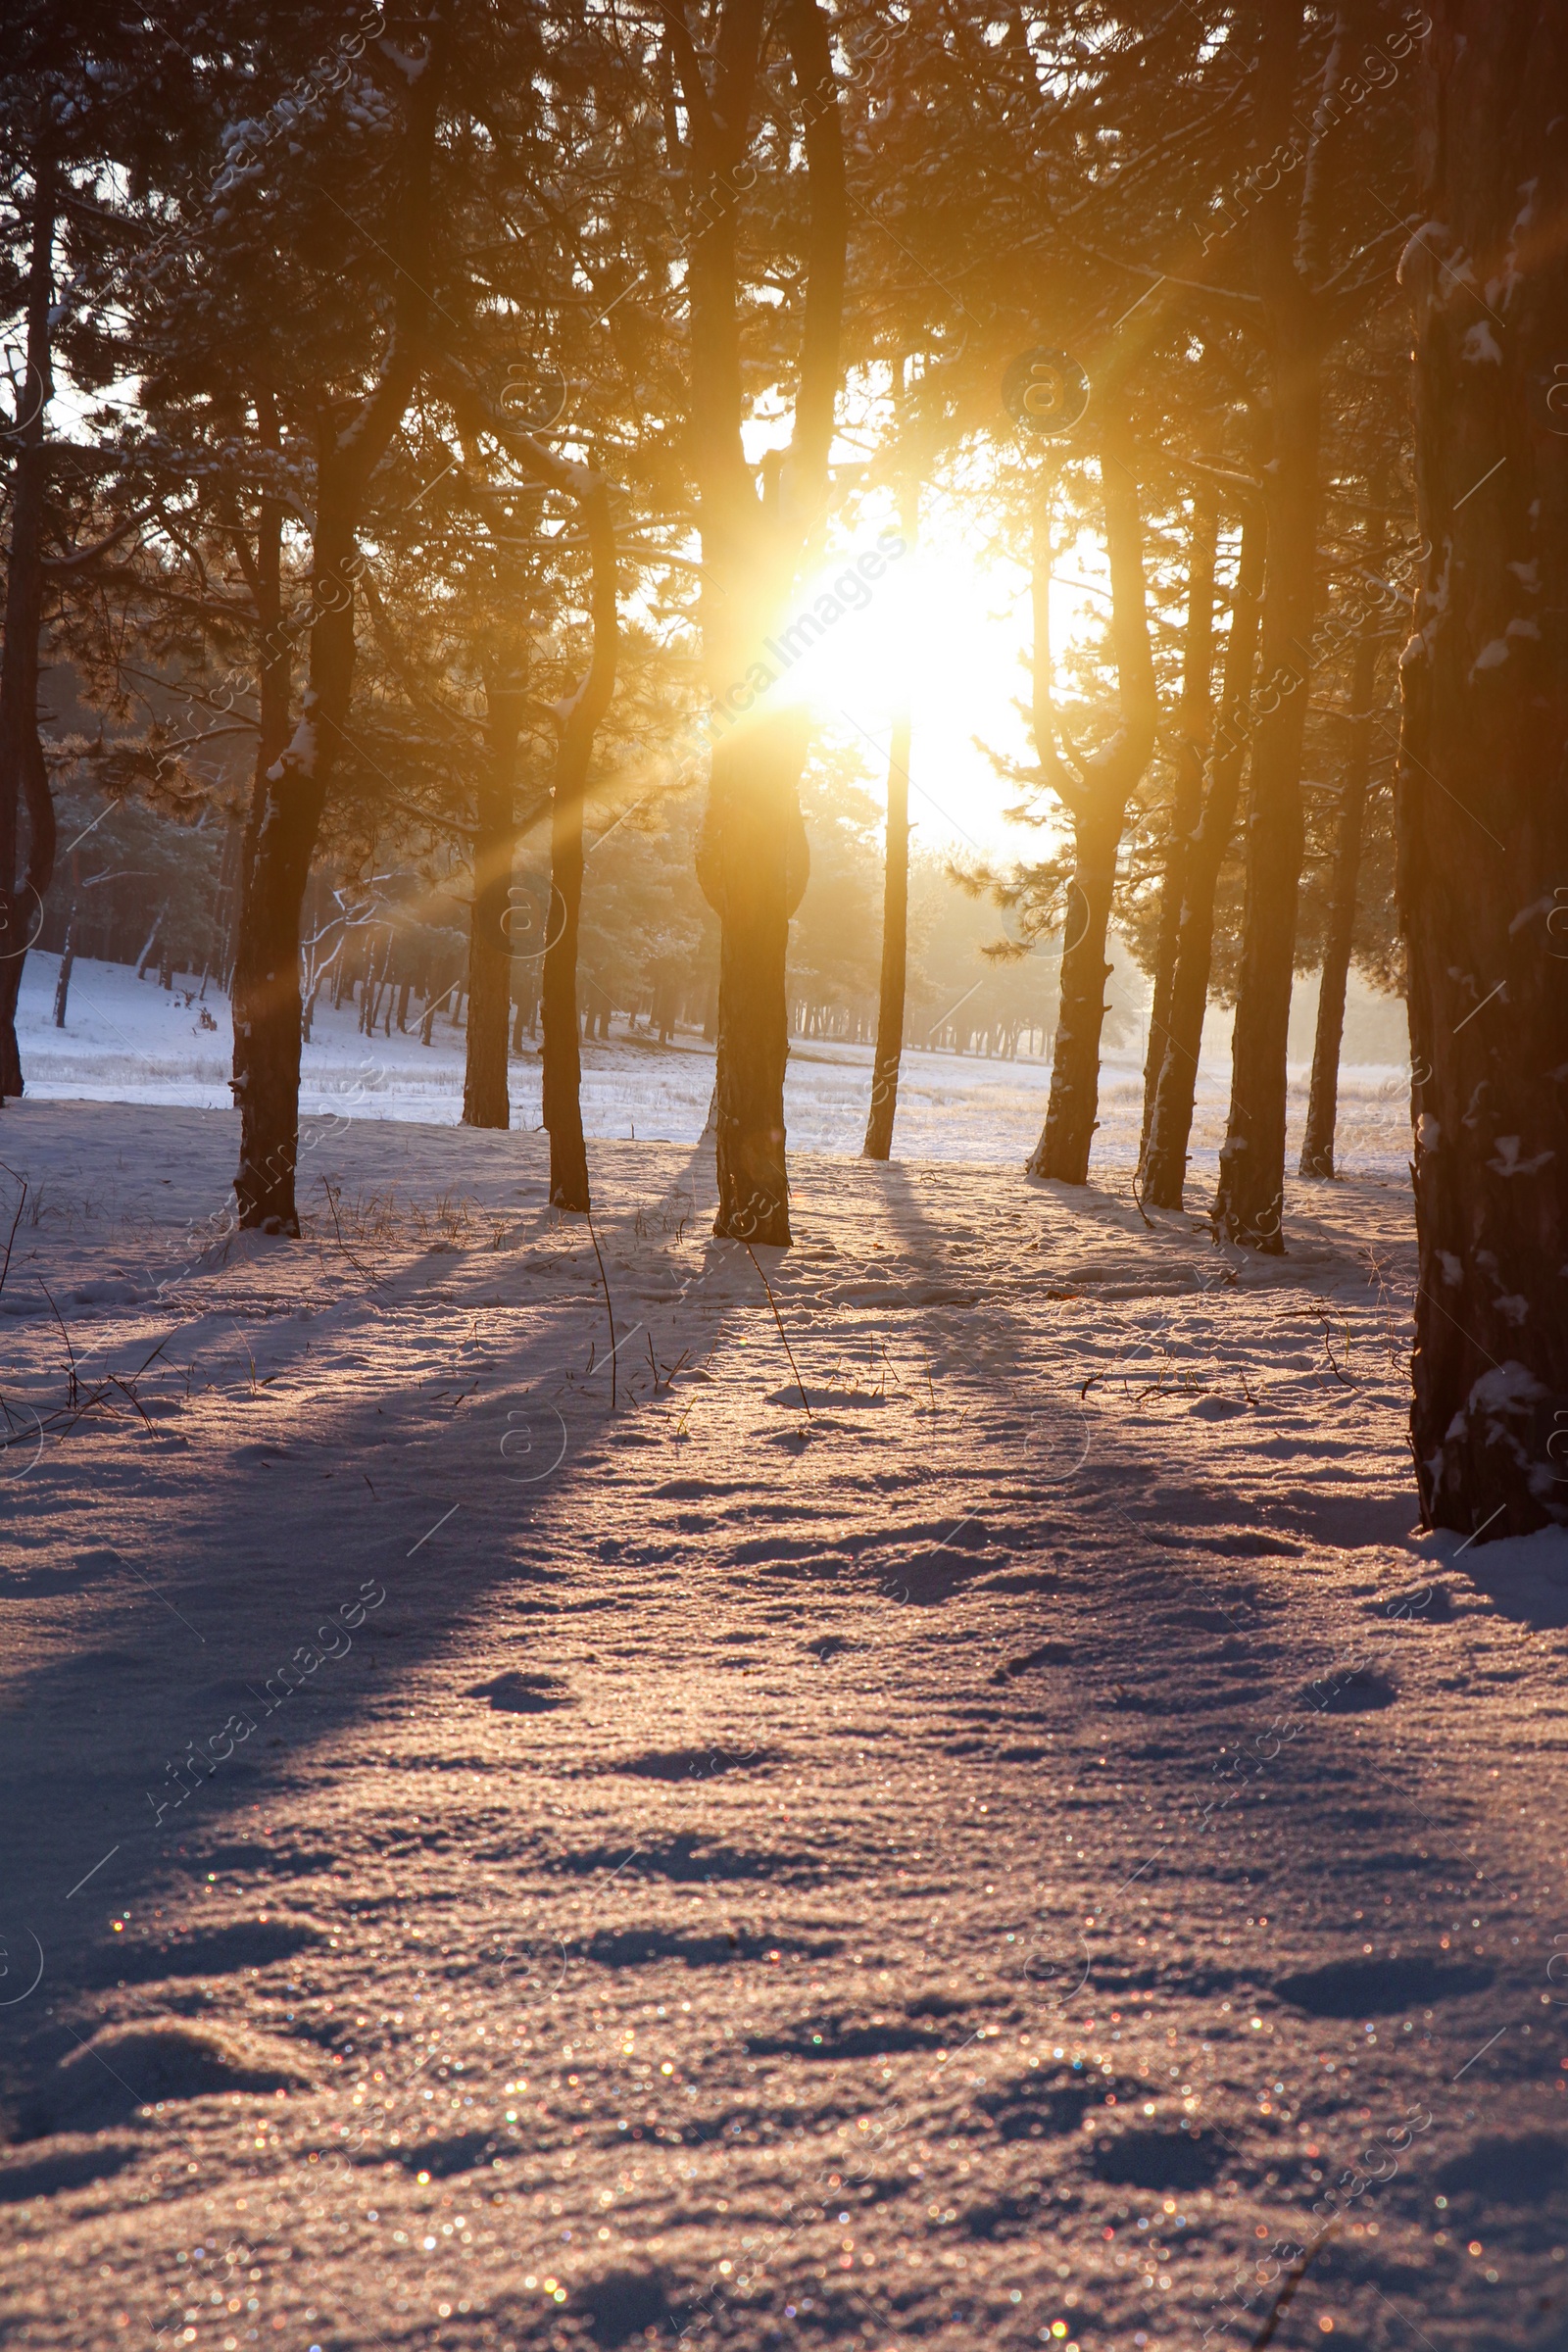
{"x":784,"y":845}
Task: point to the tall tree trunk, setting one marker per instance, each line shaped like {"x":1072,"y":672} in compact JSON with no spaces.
{"x":752,"y":853}
{"x":273,"y":687}
{"x":561,"y":1075}
{"x":895,"y":948}
{"x":579,"y":720}
{"x":1482,"y":814}
{"x":1094,"y":790}
{"x":1189,"y":754}
{"x":1250,"y":1201}
{"x":895,"y":876}
{"x":267,"y":991}
{"x":561,"y":1080}
{"x":23,"y":778}
{"x":1317,"y":1145}
{"x":485,"y":1101}
{"x":68,"y":949}
{"x":1171,"y":1119}
{"x":266,"y":998}
{"x":262,"y":567}
{"x":752,"y":861}
{"x":1071,"y":1112}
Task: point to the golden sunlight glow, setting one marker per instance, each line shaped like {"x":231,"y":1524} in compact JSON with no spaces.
{"x":944,"y":629}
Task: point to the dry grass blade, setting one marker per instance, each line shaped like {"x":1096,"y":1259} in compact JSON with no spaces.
{"x":74,"y":1388}
{"x":332,"y":1192}
{"x":608,"y":1311}
{"x":4,"y":1263}
{"x":1293,"y":2279}
{"x":782,"y":1333}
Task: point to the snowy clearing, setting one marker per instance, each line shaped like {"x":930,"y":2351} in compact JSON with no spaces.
{"x":127,"y":1040}
{"x":970,"y":1862}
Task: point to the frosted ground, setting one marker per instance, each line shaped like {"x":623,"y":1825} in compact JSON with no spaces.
{"x":956,"y":1822}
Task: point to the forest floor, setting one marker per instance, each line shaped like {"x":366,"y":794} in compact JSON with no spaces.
{"x":931,"y":1799}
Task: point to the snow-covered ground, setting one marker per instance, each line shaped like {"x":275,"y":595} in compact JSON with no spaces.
{"x":131,"y":1040}
{"x":927,"y":1799}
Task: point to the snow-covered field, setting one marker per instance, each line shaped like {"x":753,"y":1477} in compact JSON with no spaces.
{"x":131,"y":1041}
{"x":925,"y":1797}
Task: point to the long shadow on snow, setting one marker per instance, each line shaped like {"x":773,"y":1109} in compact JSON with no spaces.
{"x":79,"y":1838}
{"x":1152,"y":1634}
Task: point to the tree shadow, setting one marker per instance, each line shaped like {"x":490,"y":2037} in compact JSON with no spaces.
{"x":280,"y":1613}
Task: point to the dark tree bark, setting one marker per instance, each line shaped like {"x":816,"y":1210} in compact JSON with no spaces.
{"x":68,"y":950}
{"x":1189,"y":754}
{"x":1170,"y":1123}
{"x":485,"y":1099}
{"x":262,"y":567}
{"x":1481,"y":812}
{"x":1322,"y":1107}
{"x":578,"y":719}
{"x":894,"y":978}
{"x":1250,"y":1201}
{"x":23,"y":778}
{"x":561,"y":1080}
{"x":895,"y":948}
{"x":1094,"y":790}
{"x":1062,"y":1150}
{"x":561,"y":1077}
{"x":752,"y":861}
{"x":267,"y":1003}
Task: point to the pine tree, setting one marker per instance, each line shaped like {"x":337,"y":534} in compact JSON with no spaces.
{"x":23,"y":781}
{"x":1483,"y":817}
{"x":752,"y":861}
{"x":1095,"y":788}
{"x":68,"y":101}
{"x":1307,"y":304}
{"x":267,"y":980}
{"x":894,"y":977}
{"x":1192,"y":731}
{"x":1317,"y":1143}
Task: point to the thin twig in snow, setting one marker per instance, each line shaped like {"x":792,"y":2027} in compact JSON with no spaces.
{"x":783,"y":1335}
{"x":5,"y":1265}
{"x":1282,"y":2301}
{"x":331,"y":1203}
{"x":608,"y":1311}
{"x":70,"y":1353}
